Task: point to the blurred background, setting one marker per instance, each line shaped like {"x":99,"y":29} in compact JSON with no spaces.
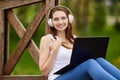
{"x":92,"y":18}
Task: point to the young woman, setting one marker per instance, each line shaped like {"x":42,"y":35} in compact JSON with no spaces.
{"x":56,"y":48}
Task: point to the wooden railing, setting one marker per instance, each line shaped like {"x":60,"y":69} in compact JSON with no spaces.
{"x":7,"y":16}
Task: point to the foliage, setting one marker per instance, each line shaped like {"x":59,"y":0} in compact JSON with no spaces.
{"x":117,"y":25}
{"x":116,"y":12}
{"x":99,"y":19}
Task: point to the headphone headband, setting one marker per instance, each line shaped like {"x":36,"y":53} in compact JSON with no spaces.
{"x":61,"y":7}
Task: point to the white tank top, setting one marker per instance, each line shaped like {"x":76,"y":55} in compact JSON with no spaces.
{"x":62,"y":59}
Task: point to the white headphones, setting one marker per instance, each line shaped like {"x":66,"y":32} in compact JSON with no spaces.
{"x":70,"y":17}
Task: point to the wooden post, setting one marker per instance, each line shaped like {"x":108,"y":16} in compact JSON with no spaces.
{"x":1,"y":42}
{"x":57,"y":2}
{"x":6,"y":39}
{"x":50,"y":4}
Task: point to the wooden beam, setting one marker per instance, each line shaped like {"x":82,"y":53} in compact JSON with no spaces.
{"x":6,"y":4}
{"x":24,"y":41}
{"x":20,"y":30}
{"x":7,"y":35}
{"x":57,"y":2}
{"x":23,"y":77}
{"x":2,"y":24}
{"x":49,"y":4}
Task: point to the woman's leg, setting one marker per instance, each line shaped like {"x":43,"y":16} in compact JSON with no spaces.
{"x":78,"y":73}
{"x":85,"y":70}
{"x":109,"y":67}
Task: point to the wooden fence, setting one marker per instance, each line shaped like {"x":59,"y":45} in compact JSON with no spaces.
{"x":7,"y":16}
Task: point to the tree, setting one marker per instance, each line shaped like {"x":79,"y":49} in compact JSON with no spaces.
{"x":99,"y":19}
{"x":81,"y":15}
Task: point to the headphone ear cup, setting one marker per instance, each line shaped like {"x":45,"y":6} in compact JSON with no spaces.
{"x":50,"y":22}
{"x":70,"y":18}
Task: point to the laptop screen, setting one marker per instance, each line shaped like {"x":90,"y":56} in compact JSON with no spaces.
{"x":89,"y":48}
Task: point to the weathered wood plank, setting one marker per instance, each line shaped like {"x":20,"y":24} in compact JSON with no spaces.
{"x":24,"y":41}
{"x":57,"y":2}
{"x":6,"y":39}
{"x":49,"y":4}
{"x":23,"y":77}
{"x":20,"y":30}
{"x":1,"y":41}
{"x":6,"y":4}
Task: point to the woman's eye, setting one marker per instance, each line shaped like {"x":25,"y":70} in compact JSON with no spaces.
{"x":63,"y":18}
{"x":55,"y":19}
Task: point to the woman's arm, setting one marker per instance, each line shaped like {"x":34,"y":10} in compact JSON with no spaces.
{"x":48,"y":53}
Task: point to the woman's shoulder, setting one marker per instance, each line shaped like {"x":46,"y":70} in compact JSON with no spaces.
{"x":46,"y":38}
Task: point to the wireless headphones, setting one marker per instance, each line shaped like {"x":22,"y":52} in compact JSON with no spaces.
{"x":70,"y":16}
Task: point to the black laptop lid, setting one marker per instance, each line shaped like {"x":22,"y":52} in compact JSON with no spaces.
{"x":88,"y":48}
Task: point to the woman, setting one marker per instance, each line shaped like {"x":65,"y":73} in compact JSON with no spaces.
{"x":56,"y":48}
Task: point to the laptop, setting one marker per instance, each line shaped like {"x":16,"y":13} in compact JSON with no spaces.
{"x":85,"y":48}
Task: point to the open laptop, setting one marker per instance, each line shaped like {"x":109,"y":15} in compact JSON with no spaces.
{"x":85,"y":48}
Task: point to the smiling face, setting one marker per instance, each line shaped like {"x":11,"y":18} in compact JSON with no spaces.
{"x":61,"y":23}
{"x":60,"y":20}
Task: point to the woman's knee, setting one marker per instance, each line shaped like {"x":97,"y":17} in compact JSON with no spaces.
{"x":100,"y":59}
{"x":91,"y":62}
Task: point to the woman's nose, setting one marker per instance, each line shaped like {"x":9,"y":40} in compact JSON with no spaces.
{"x":60,"y":21}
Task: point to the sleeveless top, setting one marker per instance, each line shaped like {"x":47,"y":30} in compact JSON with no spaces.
{"x":62,"y":59}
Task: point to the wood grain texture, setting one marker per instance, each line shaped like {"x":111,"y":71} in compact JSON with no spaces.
{"x":20,"y":47}
{"x":23,"y":77}
{"x":7,"y":4}
{"x":20,"y":30}
{"x":1,"y":41}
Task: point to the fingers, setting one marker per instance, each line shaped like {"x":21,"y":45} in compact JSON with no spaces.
{"x":58,"y":42}
{"x":58,"y":39}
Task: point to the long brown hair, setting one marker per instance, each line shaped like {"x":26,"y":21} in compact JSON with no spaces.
{"x":69,"y":31}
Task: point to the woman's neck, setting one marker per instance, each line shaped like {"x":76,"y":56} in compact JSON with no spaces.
{"x":61,"y":35}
